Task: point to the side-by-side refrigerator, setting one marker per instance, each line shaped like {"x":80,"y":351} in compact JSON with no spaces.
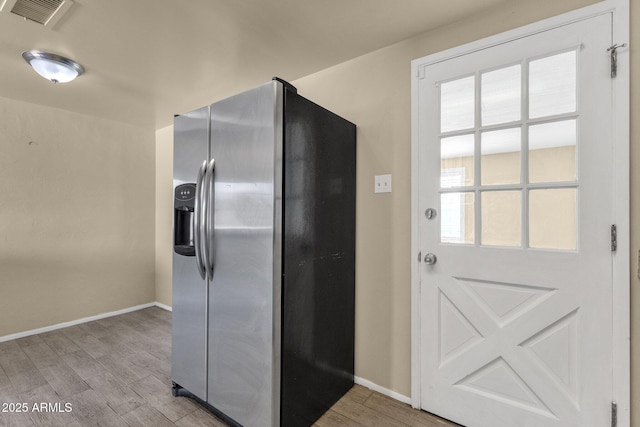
{"x":264,"y":257}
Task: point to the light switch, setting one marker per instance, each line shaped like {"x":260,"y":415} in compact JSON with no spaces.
{"x":382,"y":184}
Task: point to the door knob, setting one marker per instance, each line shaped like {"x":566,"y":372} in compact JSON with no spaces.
{"x":430,"y":259}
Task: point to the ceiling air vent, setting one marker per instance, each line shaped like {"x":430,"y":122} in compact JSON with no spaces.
{"x":45,"y":12}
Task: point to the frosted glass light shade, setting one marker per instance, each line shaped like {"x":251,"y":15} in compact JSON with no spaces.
{"x":53,"y":67}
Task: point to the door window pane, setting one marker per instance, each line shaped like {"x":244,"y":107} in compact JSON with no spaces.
{"x":456,"y":164}
{"x":457,"y":223}
{"x":552,"y":152}
{"x":552,"y":219}
{"x":501,"y":218}
{"x":501,"y":99}
{"x":552,"y":85}
{"x":500,"y":163}
{"x":457,"y":104}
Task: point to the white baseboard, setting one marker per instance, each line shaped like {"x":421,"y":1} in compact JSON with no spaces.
{"x":163,"y":306}
{"x":375,"y":387}
{"x":79,"y":321}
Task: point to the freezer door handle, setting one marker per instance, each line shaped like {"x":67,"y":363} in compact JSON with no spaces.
{"x":198,"y":216}
{"x":209,"y":225}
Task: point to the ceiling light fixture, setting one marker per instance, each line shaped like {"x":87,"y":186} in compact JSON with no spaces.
{"x":53,"y":67}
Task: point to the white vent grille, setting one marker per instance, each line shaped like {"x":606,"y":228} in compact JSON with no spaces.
{"x":45,"y":12}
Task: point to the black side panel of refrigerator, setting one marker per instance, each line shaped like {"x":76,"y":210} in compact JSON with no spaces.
{"x":318,"y":292}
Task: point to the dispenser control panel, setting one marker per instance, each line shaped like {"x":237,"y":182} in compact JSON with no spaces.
{"x":184,"y":204}
{"x":185,"y":192}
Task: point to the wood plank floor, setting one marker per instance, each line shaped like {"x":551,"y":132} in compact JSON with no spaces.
{"x":116,"y":372}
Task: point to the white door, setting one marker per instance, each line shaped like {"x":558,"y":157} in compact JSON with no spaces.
{"x":516,"y":163}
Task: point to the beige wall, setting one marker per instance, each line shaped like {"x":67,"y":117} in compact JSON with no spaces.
{"x":76,"y":216}
{"x":374,"y":92}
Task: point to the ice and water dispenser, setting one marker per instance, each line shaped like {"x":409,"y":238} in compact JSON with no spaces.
{"x":183,"y":232}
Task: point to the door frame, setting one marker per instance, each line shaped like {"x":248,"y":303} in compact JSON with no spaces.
{"x":621,"y":181}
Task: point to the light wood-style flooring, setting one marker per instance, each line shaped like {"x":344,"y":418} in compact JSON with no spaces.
{"x":116,"y":372}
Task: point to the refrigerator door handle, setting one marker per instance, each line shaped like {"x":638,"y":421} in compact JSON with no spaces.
{"x":198,"y":216}
{"x":209,"y":212}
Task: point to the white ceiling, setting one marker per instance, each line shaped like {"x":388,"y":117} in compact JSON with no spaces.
{"x":147,"y":60}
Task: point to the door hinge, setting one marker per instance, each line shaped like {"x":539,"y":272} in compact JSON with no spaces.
{"x":613,"y":50}
{"x":614,"y":414}
{"x":614,"y":238}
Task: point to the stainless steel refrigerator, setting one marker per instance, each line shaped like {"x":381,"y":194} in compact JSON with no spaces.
{"x":264,"y":257}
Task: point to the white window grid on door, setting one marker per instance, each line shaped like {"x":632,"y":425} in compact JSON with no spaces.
{"x":451,"y":186}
